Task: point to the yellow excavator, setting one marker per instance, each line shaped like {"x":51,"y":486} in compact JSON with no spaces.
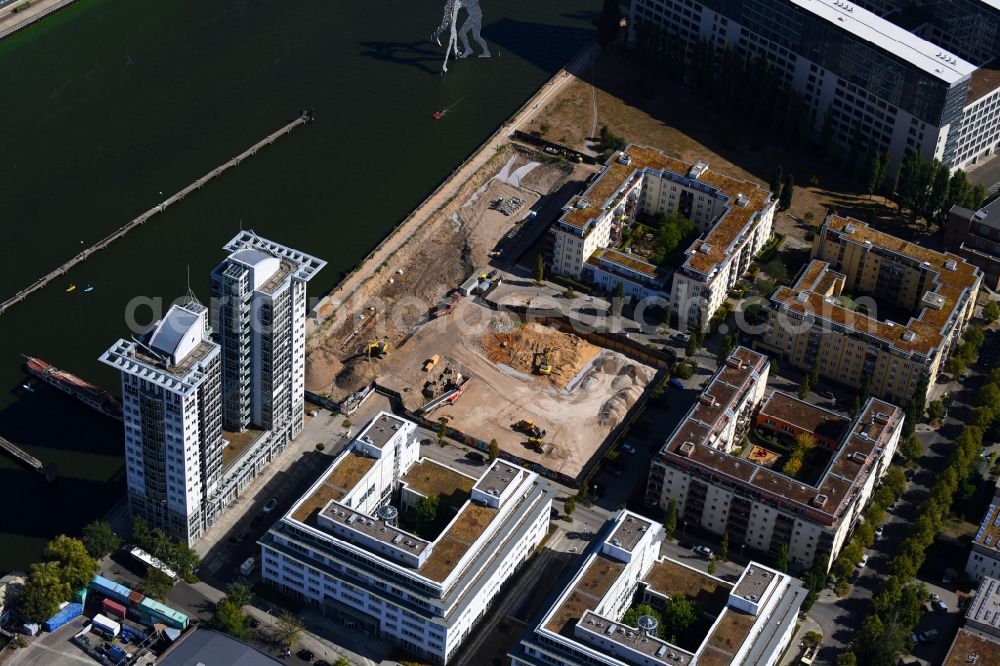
{"x":377,"y":348}
{"x":545,"y":366}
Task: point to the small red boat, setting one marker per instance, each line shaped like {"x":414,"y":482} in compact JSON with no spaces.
{"x":437,"y":115}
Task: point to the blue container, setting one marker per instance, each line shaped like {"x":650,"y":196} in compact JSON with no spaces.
{"x":110,"y":589}
{"x":68,"y":613}
{"x":115,"y":654}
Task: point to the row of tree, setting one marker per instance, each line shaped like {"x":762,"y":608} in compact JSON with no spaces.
{"x":176,"y":554}
{"x":897,"y":605}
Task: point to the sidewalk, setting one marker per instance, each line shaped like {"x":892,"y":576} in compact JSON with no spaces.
{"x":793,"y":652}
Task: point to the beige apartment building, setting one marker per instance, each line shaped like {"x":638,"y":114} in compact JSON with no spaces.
{"x":872,"y":308}
{"x":722,"y":486}
{"x":733,"y":217}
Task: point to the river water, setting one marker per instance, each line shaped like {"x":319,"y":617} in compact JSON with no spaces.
{"x":111,"y":102}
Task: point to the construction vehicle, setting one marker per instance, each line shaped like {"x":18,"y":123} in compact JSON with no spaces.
{"x":545,"y":366}
{"x":377,"y":348}
{"x":536,"y":443}
{"x":528,"y":427}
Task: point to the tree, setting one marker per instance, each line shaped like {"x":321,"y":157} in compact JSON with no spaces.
{"x":805,"y":387}
{"x":812,"y":638}
{"x":569,"y":506}
{"x":878,"y":169}
{"x":711,"y":567}
{"x":632,"y":615}
{"x":141,"y":534}
{"x":814,"y":373}
{"x":99,"y":539}
{"x":847,"y":659}
{"x":777,"y":270}
{"x":427,"y":514}
{"x":782,"y":563}
{"x":935,"y":410}
{"x":776,"y":180}
{"x":288,"y":629}
{"x":728,"y":343}
{"x":231,"y":619}
{"x":494,"y":450}
{"x":955,"y":366}
{"x":42,"y":593}
{"x":156,"y":584}
{"x":239,"y":594}
{"x":608,"y":23}
{"x":341,"y":661}
{"x":77,"y":567}
{"x":674,"y":229}
{"x":539,"y":268}
{"x":991,"y":312}
{"x":185,"y":561}
{"x":724,"y":546}
{"x":670,"y":520}
{"x":895,"y":480}
{"x":618,"y":299}
{"x":787,"y":190}
{"x":679,"y":613}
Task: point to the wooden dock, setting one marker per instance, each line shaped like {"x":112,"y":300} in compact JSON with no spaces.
{"x":304,"y":118}
{"x":23,"y":456}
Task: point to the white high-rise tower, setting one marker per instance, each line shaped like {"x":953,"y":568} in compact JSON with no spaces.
{"x":171,"y":394}
{"x":259,"y":315}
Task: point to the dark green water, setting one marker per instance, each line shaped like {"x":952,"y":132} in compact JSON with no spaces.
{"x":112,"y":101}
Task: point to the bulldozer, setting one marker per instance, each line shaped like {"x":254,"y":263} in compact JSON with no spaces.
{"x":536,"y":443}
{"x":544,"y":366}
{"x":377,"y":348}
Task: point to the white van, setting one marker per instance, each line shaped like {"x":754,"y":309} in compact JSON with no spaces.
{"x":247,"y":566}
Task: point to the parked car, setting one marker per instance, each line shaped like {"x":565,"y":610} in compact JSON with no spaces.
{"x":269,"y":507}
{"x":704,"y":551}
{"x":256,"y":520}
{"x":939,"y":606}
{"x":628,"y":448}
{"x":946,"y":578}
{"x":305,"y":655}
{"x":864,"y":562}
{"x":681,"y":337}
{"x":924,"y":636}
{"x":828,"y":395}
{"x":475,"y":456}
{"x":909,"y":474}
{"x":879,"y":531}
{"x":676,"y":383}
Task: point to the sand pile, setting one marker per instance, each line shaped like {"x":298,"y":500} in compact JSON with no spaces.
{"x":322,"y":366}
{"x":627,"y":385}
{"x":523,"y":349}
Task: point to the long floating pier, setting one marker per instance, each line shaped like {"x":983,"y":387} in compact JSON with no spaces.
{"x":23,"y":456}
{"x":304,"y":118}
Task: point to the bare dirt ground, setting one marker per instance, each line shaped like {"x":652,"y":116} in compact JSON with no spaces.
{"x":525,"y":348}
{"x":456,"y":242}
{"x":644,"y":108}
{"x":587,"y":395}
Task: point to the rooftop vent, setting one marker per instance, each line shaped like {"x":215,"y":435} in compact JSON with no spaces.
{"x":706,"y":399}
{"x":819,"y":500}
{"x":582,"y":203}
{"x":624,"y":159}
{"x":697,"y":169}
{"x":616,"y":542}
{"x":802,"y":297}
{"x":909,"y":336}
{"x":686,"y":449}
{"x":742,"y":200}
{"x":704,"y":248}
{"x":951,"y":265}
{"x":850,"y":229}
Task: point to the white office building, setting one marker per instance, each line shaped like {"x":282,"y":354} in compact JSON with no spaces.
{"x":173,"y":420}
{"x":859,"y":73}
{"x":747,"y":623}
{"x":349,"y":546}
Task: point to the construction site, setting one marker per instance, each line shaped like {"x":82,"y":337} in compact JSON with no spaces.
{"x":546,"y":396}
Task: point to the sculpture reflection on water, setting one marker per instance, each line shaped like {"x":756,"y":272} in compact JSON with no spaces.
{"x":472,"y":27}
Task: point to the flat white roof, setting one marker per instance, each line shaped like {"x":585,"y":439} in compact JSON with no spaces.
{"x":888,"y":36}
{"x":178,"y":333}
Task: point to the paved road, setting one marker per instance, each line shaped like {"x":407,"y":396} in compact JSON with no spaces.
{"x":841,"y":618}
{"x":987,"y":173}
